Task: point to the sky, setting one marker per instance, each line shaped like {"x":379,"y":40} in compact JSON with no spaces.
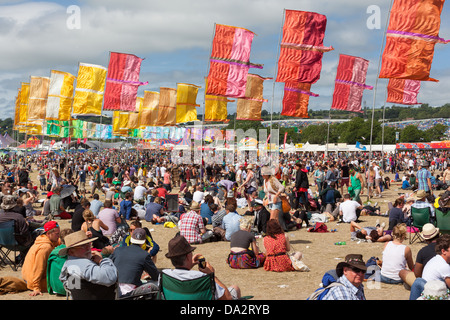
{"x":174,"y":38}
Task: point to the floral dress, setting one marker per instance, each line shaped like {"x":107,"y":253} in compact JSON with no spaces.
{"x":277,"y":258}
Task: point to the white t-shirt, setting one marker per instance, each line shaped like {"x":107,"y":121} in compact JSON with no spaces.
{"x":198,"y":196}
{"x":348,"y":208}
{"x":436,"y":269}
{"x":377,"y":172}
{"x":139,"y":192}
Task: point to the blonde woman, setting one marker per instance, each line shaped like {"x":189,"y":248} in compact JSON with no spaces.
{"x":272,"y":189}
{"x":370,"y":178}
{"x":92,"y":226}
{"x":397,"y":258}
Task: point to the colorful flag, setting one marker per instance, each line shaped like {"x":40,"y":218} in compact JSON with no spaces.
{"x":215,"y":107}
{"x":167,"y":107}
{"x":230,"y":61}
{"x":149,"y":116}
{"x":23,"y":111}
{"x":403,"y":91}
{"x":249,"y":107}
{"x":17,"y":109}
{"x":37,"y":100}
{"x":360,"y":146}
{"x":186,"y":102}
{"x":119,"y":121}
{"x":301,"y":47}
{"x":122,"y":82}
{"x":350,"y":83}
{"x":134,"y":117}
{"x":296,"y":99}
{"x":90,"y":89}
{"x":412,"y":34}
{"x":60,"y":96}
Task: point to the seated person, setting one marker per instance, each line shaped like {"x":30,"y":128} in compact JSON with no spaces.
{"x":150,"y":245}
{"x":180,"y":254}
{"x":405,"y":184}
{"x":244,"y":251}
{"x":155,"y":212}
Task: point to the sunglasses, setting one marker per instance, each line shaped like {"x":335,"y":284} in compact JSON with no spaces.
{"x":356,"y":270}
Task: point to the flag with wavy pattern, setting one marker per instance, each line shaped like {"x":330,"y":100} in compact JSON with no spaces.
{"x":412,"y":34}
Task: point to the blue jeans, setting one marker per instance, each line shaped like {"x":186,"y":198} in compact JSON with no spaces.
{"x":417,"y":288}
{"x":389,"y":280}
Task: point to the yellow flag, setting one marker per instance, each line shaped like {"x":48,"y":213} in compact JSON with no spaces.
{"x":17,"y":109}
{"x":89,"y":90}
{"x":149,"y":116}
{"x":37,"y":101}
{"x":134,"y":117}
{"x":186,"y":102}
{"x":215,"y":107}
{"x":60,"y":96}
{"x":119,"y":120}
{"x":23,"y":112}
{"x":167,"y":108}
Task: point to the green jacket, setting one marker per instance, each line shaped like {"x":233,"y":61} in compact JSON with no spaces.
{"x":54,"y":265}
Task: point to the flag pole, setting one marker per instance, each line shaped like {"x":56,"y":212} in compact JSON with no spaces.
{"x":273,"y":84}
{"x":376,"y":80}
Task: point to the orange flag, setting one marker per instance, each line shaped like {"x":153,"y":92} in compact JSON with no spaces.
{"x":412,"y":33}
{"x":403,"y":91}
{"x":296,"y":99}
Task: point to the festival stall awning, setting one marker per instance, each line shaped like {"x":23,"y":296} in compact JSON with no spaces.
{"x":424,"y":145}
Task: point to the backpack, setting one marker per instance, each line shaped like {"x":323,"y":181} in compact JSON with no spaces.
{"x":328,"y":282}
{"x":444,"y":200}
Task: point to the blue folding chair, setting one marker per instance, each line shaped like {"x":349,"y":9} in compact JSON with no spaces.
{"x":8,"y":245}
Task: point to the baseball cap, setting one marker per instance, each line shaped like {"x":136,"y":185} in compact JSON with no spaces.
{"x":138,"y":236}
{"x":50,"y":225}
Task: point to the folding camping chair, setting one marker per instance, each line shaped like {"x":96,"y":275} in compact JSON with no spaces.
{"x":8,"y":244}
{"x":202,"y":288}
{"x":443,"y":221}
{"x":420,"y":217}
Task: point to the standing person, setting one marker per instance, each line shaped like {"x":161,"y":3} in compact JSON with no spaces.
{"x":301,"y":187}
{"x":272,"y":189}
{"x":34,"y":270}
{"x":378,"y":177}
{"x":97,"y":181}
{"x":424,"y":178}
{"x":180,"y":254}
{"x":350,"y":278}
{"x":356,"y":184}
{"x":397,"y":257}
{"x":319,"y":176}
{"x":81,"y":180}
{"x":446,"y":176}
{"x":131,"y":261}
{"x":345,"y":176}
{"x":370,"y":178}
{"x":277,"y":247}
{"x":86,"y":274}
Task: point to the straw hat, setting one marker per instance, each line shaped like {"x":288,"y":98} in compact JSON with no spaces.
{"x":194,"y":206}
{"x":435,"y":290}
{"x":75,"y":239}
{"x":267,"y":171}
{"x":8,"y":202}
{"x":420,"y":195}
{"x":429,"y":231}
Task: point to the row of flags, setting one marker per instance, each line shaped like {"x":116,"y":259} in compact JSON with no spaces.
{"x":406,"y":61}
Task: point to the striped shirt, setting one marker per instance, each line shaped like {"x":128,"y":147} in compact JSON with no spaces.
{"x":422,"y":176}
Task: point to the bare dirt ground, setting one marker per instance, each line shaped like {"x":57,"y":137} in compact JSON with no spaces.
{"x":320,"y":254}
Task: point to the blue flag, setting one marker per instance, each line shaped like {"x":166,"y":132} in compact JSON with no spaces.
{"x":360,"y":146}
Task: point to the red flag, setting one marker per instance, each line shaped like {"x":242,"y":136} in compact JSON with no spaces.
{"x":350,"y":83}
{"x":296,"y":99}
{"x":230,"y":61}
{"x":302,"y":47}
{"x":403,"y":91}
{"x":412,"y":33}
{"x":122,"y":82}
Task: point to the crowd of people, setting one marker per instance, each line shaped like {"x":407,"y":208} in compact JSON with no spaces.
{"x":115,"y":256}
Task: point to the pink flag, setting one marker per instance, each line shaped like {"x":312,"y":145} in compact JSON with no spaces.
{"x":122,"y":82}
{"x":403,"y":91}
{"x":350,"y":83}
{"x":230,"y":61}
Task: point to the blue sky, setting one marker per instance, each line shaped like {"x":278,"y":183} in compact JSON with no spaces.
{"x":174,"y":37}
